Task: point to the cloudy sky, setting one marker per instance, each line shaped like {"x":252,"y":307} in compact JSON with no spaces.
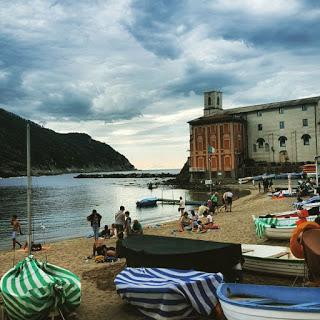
{"x":132,"y":73}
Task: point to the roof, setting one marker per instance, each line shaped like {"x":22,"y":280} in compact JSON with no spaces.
{"x":273,"y":105}
{"x":234,"y":114}
{"x":217,"y":118}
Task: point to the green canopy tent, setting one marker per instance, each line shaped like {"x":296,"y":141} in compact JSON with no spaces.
{"x":32,"y":289}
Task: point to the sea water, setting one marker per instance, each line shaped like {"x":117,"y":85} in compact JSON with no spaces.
{"x":60,"y":204}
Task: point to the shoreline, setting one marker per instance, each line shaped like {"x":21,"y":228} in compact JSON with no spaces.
{"x":99,"y":298}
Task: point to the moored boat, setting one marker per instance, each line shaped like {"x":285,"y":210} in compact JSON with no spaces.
{"x":147,"y":202}
{"x":263,"y":302}
{"x":276,"y":260}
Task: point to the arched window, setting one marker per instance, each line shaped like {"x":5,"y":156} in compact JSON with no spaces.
{"x":282,"y":141}
{"x":209,"y":101}
{"x":260,"y":142}
{"x":306,"y":139}
{"x":218,"y":100}
{"x":267,"y":147}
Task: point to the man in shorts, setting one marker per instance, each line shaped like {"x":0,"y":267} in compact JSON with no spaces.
{"x":16,"y":230}
{"x":120,"y":219}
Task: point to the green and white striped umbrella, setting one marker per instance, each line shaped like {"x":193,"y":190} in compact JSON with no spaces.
{"x":32,"y":289}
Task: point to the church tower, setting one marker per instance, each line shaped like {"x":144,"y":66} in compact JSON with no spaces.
{"x":212,"y":102}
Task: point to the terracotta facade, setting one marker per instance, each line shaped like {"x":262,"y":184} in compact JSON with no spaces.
{"x":227,"y":137}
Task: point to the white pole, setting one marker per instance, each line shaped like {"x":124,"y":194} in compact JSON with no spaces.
{"x":29,"y":189}
{"x":210,"y":172}
{"x":317,"y":179}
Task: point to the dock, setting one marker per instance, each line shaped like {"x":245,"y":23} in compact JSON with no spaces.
{"x":176,"y":202}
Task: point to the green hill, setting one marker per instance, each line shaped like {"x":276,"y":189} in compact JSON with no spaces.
{"x":52,"y":152}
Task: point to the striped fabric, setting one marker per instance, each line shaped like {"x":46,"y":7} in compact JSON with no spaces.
{"x":32,"y":289}
{"x":168,"y":293}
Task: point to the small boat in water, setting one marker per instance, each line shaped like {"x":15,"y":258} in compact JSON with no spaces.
{"x":276,"y":260}
{"x":147,"y":202}
{"x":263,"y":302}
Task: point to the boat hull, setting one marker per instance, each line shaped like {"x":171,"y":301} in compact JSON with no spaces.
{"x":264,"y":302}
{"x":272,"y":260}
{"x":146,"y":204}
{"x":279,"y":233}
{"x":233,"y":312}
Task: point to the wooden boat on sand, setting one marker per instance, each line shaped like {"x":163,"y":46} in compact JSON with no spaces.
{"x":277,"y":228}
{"x":262,"y":302}
{"x":275,"y":260}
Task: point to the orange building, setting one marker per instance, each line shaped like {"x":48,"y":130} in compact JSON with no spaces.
{"x":225,"y":133}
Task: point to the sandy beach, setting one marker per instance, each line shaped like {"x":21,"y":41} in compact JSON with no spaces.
{"x":99,"y":298}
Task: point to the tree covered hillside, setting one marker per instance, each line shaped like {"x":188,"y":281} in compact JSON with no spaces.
{"x":52,"y":152}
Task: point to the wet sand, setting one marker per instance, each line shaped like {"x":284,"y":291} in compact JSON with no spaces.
{"x":99,"y":298}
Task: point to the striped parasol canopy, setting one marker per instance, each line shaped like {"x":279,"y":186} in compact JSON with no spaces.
{"x":32,"y":289}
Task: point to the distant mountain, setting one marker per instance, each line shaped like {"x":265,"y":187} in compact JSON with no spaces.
{"x":51,"y":152}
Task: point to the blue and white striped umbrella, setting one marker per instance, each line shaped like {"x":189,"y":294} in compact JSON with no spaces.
{"x":168,"y":293}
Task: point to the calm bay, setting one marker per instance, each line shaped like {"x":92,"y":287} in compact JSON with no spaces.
{"x":60,"y":204}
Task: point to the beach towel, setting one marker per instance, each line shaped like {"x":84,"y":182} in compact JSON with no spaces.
{"x":161,"y":293}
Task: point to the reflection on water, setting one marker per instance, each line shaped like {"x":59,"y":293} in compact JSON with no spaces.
{"x":60,"y":204}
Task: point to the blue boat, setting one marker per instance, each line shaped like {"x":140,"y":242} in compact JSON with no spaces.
{"x":257,"y":302}
{"x":147,"y":202}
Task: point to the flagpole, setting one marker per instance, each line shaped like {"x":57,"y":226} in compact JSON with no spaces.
{"x":29,"y":189}
{"x":209,"y":155}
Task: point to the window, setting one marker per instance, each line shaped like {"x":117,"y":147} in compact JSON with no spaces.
{"x":305,"y":122}
{"x":306,"y":139}
{"x":281,"y":124}
{"x":260,"y":127}
{"x":282,"y":141}
{"x":218,"y":100}
{"x":254,"y":147}
{"x":209,"y":101}
{"x":267,"y":147}
{"x":304,"y":108}
{"x":259,"y":113}
{"x":260,"y":143}
{"x":281,"y":110}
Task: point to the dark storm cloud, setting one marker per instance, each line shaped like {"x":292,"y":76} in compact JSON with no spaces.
{"x":70,"y":59}
{"x":199,"y":79}
{"x":153,"y":24}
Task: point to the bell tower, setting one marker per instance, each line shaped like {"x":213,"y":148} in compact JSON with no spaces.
{"x":212,"y":102}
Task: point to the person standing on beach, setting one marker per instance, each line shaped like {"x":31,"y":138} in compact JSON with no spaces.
{"x":16,"y":229}
{"x":95,"y":219}
{"x":214,"y":199}
{"x":181,"y":206}
{"x":127,"y":225}
{"x":120,"y":219}
{"x":228,"y":200}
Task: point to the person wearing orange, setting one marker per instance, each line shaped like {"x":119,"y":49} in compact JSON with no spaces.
{"x":302,"y":214}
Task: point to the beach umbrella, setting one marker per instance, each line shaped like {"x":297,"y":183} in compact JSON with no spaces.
{"x":32,"y":289}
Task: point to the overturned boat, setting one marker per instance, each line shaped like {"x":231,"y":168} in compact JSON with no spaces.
{"x":150,"y":251}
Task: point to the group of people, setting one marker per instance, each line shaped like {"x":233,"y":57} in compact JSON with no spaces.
{"x":122,"y":224}
{"x":194,"y":223}
{"x":206,"y":210}
{"x":226,"y":200}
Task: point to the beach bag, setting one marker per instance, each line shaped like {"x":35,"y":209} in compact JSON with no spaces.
{"x":36,"y":247}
